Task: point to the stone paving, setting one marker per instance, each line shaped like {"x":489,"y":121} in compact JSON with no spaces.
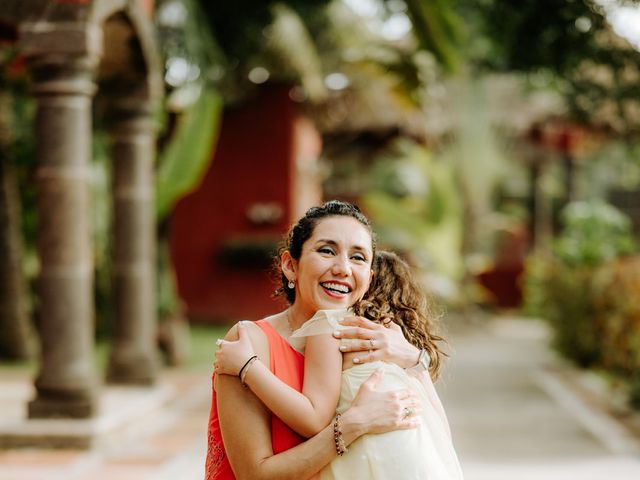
{"x":168,"y":443}
{"x":513,"y":417}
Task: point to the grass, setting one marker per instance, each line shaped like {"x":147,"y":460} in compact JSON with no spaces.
{"x":202,"y":345}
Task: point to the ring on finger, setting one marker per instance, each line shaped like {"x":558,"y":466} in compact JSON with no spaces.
{"x":219,"y":342}
{"x":406,"y":412}
{"x":371,"y":344}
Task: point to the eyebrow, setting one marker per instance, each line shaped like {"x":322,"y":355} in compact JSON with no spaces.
{"x":334,"y":243}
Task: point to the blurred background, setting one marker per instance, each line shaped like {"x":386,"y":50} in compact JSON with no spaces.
{"x":155,"y":152}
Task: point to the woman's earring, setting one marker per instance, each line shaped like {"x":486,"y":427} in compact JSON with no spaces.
{"x":291,"y":285}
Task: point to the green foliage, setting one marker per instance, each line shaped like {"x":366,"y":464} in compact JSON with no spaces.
{"x":563,"y":288}
{"x":414,"y":203}
{"x":616,"y":300}
{"x":301,"y":41}
{"x":185,"y":36}
{"x":438,"y":29}
{"x":634,"y":393}
{"x":569,"y":44}
{"x":101,"y":213}
{"x":531,"y":34}
{"x":594,"y":232}
{"x":184,"y":160}
{"x":588,"y":291}
{"x":238,"y":26}
{"x":563,"y":296}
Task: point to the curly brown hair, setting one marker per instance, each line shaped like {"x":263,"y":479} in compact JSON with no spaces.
{"x":395,"y":295}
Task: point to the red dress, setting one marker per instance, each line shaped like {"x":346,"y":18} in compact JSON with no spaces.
{"x":288,"y":365}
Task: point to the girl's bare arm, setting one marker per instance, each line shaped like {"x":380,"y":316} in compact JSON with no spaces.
{"x":306,"y":412}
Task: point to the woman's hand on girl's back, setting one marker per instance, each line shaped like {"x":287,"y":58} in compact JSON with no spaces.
{"x":376,"y":342}
{"x":231,"y":356}
{"x":376,"y":411}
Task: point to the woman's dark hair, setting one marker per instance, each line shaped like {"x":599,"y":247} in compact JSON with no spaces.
{"x":395,"y":295}
{"x":302,"y":230}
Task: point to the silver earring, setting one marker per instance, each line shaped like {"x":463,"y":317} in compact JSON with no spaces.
{"x":291,"y":284}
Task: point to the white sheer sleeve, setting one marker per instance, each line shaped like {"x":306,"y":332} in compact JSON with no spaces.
{"x":323,"y":322}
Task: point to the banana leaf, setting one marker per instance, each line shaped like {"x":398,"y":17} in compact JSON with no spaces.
{"x":438,"y":29}
{"x":186,"y":158}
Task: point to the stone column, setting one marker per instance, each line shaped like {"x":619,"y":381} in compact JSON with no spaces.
{"x":62,"y":58}
{"x":134,"y":357}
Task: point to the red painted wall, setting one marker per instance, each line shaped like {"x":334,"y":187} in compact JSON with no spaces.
{"x":262,"y":158}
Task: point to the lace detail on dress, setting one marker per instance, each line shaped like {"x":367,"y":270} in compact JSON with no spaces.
{"x":215,"y":456}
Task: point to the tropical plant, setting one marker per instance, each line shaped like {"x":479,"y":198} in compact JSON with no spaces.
{"x":564,"y":287}
{"x":302,"y":40}
{"x":412,"y":199}
{"x":570,"y":46}
{"x":594,"y":232}
{"x":17,"y":341}
{"x":616,"y":293}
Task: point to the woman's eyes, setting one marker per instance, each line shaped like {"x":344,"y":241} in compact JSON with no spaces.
{"x":330,"y":251}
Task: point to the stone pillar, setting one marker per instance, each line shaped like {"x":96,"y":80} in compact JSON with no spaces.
{"x":134,"y":356}
{"x":62,"y":59}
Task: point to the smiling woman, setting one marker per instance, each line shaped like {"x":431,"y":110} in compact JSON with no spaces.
{"x":258,"y":432}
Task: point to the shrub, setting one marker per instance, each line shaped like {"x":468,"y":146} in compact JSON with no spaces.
{"x":563,"y":295}
{"x":563,"y":287}
{"x":593,"y":233}
{"x":618,"y":310}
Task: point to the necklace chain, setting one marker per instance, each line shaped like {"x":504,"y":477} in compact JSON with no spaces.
{"x":289,"y":321}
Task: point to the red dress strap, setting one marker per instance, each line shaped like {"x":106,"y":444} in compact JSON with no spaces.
{"x":288,"y":365}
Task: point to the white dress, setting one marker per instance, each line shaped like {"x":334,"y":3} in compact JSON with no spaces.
{"x":423,"y":453}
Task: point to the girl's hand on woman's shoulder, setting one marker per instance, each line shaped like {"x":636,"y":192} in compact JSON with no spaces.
{"x":376,"y":342}
{"x":232,"y":355}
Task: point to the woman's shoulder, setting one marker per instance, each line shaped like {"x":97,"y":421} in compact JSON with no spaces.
{"x":256,"y":334}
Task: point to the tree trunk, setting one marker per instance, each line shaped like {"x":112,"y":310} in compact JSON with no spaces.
{"x":16,"y":331}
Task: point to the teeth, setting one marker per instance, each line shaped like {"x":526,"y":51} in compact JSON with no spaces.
{"x":336,"y":286}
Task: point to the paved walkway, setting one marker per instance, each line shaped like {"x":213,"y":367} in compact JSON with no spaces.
{"x":169,"y":444}
{"x":513,"y":418}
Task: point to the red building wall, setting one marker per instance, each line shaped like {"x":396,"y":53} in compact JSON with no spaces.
{"x":261,"y":177}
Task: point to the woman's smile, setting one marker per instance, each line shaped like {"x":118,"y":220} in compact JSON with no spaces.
{"x":336,"y":289}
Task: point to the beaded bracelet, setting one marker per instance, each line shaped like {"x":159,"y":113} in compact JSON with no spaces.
{"x":341,"y":448}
